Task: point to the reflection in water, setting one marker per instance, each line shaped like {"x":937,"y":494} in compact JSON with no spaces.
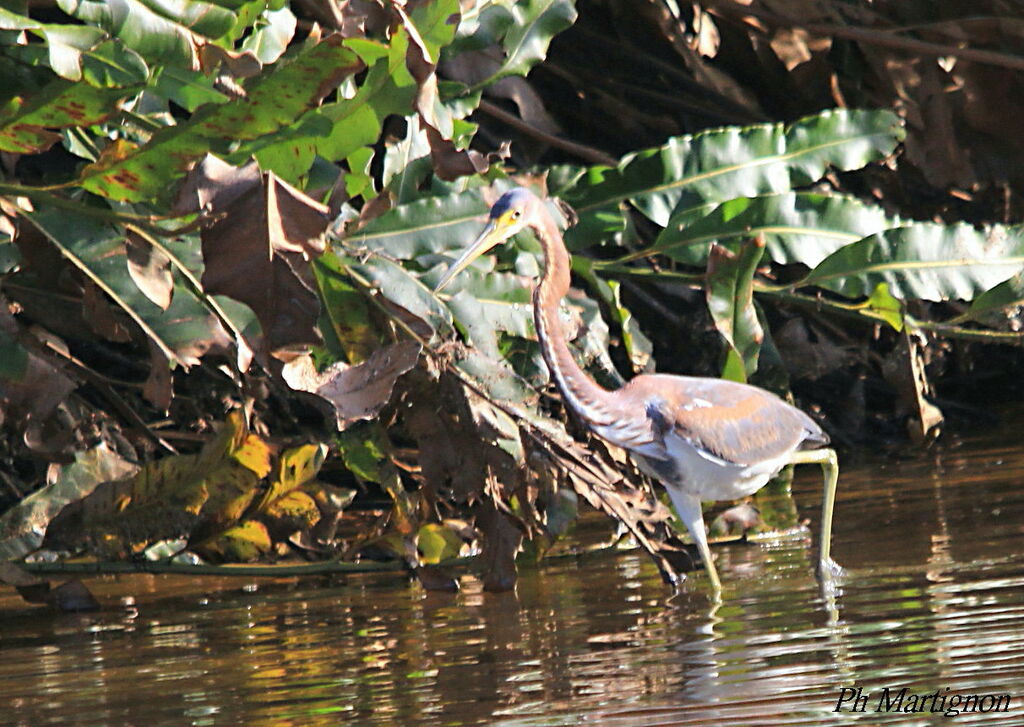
{"x":933,"y":600}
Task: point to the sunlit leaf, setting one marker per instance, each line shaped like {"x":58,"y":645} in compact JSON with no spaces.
{"x":168,"y":32}
{"x":273,"y":101}
{"x":730,"y":291}
{"x":797,"y":227}
{"x":26,"y":124}
{"x":924,"y":261}
{"x":722,"y":164}
{"x":241,"y":543}
{"x":437,"y":543}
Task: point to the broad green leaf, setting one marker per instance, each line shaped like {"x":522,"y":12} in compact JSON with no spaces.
{"x":26,"y":124}
{"x":428,"y":226}
{"x":345,"y":316}
{"x":188,"y":89}
{"x":496,"y":379}
{"x":523,"y":30}
{"x":161,"y":31}
{"x":111,"y":65}
{"x":183,"y":332}
{"x":403,"y":289}
{"x":924,"y":261}
{"x":351,"y":123}
{"x":481,"y":319}
{"x":273,"y":102}
{"x":1008,"y":294}
{"x":364,"y":448}
{"x":437,"y":543}
{"x":65,"y":45}
{"x":730,"y":296}
{"x":798,"y":227}
{"x":722,"y":164}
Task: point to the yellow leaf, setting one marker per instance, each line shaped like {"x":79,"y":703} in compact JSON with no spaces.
{"x":254,"y":454}
{"x":294,"y":511}
{"x":231,"y":489}
{"x":243,"y":543}
{"x":294,"y":468}
{"x":436,"y":543}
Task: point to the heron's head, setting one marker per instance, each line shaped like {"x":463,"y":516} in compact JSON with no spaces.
{"x":513,"y":211}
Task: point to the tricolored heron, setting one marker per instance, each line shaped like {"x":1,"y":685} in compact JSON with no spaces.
{"x":702,"y":438}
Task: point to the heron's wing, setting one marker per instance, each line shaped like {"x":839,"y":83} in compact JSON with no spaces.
{"x":722,"y":419}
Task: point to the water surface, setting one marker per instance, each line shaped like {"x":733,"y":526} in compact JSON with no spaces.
{"x":933,"y":599}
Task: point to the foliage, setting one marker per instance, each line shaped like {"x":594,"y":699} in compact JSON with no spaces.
{"x":234,"y":224}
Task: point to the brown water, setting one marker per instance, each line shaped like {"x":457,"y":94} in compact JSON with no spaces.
{"x":934,"y":598}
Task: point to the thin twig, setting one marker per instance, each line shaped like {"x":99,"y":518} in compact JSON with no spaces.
{"x":586,"y":153}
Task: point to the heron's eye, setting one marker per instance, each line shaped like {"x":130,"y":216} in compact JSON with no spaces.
{"x":516,"y":214}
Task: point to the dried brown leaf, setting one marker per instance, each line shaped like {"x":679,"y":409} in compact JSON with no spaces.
{"x":451,"y":163}
{"x":258,"y":249}
{"x":150,"y":269}
{"x":158,"y":389}
{"x":356,"y":392}
{"x":101,"y":316}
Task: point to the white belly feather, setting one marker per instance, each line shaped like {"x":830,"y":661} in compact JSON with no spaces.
{"x":702,"y":474}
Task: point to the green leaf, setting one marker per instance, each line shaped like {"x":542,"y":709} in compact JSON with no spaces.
{"x":273,"y":102}
{"x":481,"y":319}
{"x":1008,"y":294}
{"x":271,"y":35}
{"x":924,"y":261}
{"x":364,"y":448}
{"x":437,"y":543}
{"x":523,"y":30}
{"x":111,"y":65}
{"x":496,"y":378}
{"x":426,"y":227}
{"x":638,"y":346}
{"x":352,"y":123}
{"x":719,"y":165}
{"x":346,"y":312}
{"x":403,"y":289}
{"x":730,"y":296}
{"x":798,"y":227}
{"x":65,"y":44}
{"x":883,"y":304}
{"x":184,"y":331}
{"x":25,"y":124}
{"x":161,"y":31}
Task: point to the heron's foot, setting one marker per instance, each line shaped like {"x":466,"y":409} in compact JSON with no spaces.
{"x":829,"y":570}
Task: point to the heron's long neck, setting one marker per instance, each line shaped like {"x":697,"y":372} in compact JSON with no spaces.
{"x":589,"y":400}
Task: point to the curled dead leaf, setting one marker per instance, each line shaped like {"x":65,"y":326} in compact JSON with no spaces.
{"x":355,"y":392}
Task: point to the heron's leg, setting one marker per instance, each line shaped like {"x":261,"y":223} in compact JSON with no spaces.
{"x":830,"y":470}
{"x":688,"y":509}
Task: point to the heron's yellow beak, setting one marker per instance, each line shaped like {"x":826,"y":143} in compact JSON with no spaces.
{"x":493,"y":234}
